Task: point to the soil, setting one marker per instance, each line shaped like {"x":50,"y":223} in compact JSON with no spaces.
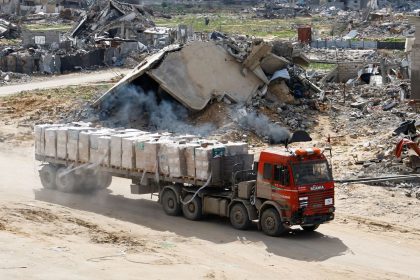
{"x":45,"y":234}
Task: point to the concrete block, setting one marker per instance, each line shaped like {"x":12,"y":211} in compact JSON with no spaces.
{"x":146,"y":153}
{"x":62,"y":142}
{"x":203,"y":156}
{"x":116,"y":145}
{"x":95,"y":154}
{"x":51,"y":142}
{"x":189,"y":154}
{"x":104,"y":150}
{"x":129,"y":148}
{"x":239,"y":148}
{"x":73,"y":142}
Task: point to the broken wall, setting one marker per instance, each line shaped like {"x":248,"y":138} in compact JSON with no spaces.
{"x":347,"y":71}
{"x":40,"y":38}
{"x":415,"y":61}
{"x":355,"y":44}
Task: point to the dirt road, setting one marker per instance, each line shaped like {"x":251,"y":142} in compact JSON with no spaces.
{"x":64,"y":80}
{"x":49,"y":235}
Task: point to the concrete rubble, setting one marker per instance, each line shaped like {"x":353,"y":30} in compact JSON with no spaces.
{"x":225,"y":68}
{"x":8,"y":29}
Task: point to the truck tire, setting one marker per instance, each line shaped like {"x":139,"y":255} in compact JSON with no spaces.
{"x":239,"y":217}
{"x":103,"y":180}
{"x":65,"y":180}
{"x":90,"y":181}
{"x":170,"y":203}
{"x":192,"y":210}
{"x":271,"y":223}
{"x":310,"y":227}
{"x":47,"y":175}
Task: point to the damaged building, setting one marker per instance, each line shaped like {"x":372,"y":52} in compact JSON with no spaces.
{"x":224,"y":69}
{"x":117,"y":20}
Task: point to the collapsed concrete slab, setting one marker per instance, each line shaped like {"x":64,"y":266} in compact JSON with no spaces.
{"x":202,"y":71}
{"x":195,"y":74}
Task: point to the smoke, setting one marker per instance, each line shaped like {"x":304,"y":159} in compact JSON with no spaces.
{"x":261,"y":125}
{"x":132,"y":105}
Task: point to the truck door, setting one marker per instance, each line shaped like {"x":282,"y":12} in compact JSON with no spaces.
{"x":274,"y":177}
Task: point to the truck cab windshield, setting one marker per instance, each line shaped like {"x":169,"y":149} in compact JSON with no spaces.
{"x":316,"y":172}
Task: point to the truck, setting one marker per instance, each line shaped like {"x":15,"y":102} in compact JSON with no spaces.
{"x":285,"y":187}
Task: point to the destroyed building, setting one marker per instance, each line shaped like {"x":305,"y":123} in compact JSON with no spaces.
{"x":117,"y":20}
{"x":199,"y":72}
{"x":25,"y":7}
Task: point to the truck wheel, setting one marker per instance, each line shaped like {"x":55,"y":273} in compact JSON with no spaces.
{"x":65,"y":180}
{"x":310,"y":228}
{"x":239,"y":217}
{"x":271,"y":223}
{"x":103,"y":180}
{"x":170,"y":204}
{"x":88,"y":183}
{"x":192,"y":210}
{"x":47,"y":175}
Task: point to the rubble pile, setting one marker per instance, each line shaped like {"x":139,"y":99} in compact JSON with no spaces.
{"x":8,"y":29}
{"x":340,"y":55}
{"x":12,"y":77}
{"x":367,"y":116}
{"x":117,"y":20}
{"x":104,"y":37}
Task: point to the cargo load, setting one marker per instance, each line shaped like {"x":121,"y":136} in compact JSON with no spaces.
{"x":134,"y":150}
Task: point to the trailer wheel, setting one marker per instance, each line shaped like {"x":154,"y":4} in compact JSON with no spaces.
{"x":47,"y":175}
{"x":310,"y":228}
{"x":193,"y":209}
{"x":65,"y":180}
{"x":239,"y":217}
{"x":103,"y":180}
{"x":271,"y":223}
{"x":170,"y":204}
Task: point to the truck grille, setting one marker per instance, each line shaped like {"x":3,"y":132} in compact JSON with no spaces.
{"x":315,"y":201}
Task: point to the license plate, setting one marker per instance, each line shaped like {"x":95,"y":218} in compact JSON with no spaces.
{"x":328,"y":201}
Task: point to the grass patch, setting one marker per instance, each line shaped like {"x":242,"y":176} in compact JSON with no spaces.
{"x":10,"y":42}
{"x":48,"y":27}
{"x":243,"y":24}
{"x":321,"y":66}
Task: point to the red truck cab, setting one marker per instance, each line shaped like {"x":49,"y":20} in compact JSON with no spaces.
{"x":298,"y":184}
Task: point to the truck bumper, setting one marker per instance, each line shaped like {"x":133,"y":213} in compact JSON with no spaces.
{"x":317,"y":219}
{"x":313,"y":219}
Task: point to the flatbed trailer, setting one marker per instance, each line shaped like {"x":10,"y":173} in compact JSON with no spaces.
{"x":281,"y":190}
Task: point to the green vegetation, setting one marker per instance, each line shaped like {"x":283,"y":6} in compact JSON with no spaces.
{"x":10,"y":42}
{"x":395,"y":40}
{"x":321,"y":66}
{"x":48,"y":27}
{"x":242,"y":24}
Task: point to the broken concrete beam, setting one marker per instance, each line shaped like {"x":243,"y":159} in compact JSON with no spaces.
{"x":137,"y":72}
{"x":271,"y":63}
{"x":281,"y":91}
{"x":258,"y":52}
